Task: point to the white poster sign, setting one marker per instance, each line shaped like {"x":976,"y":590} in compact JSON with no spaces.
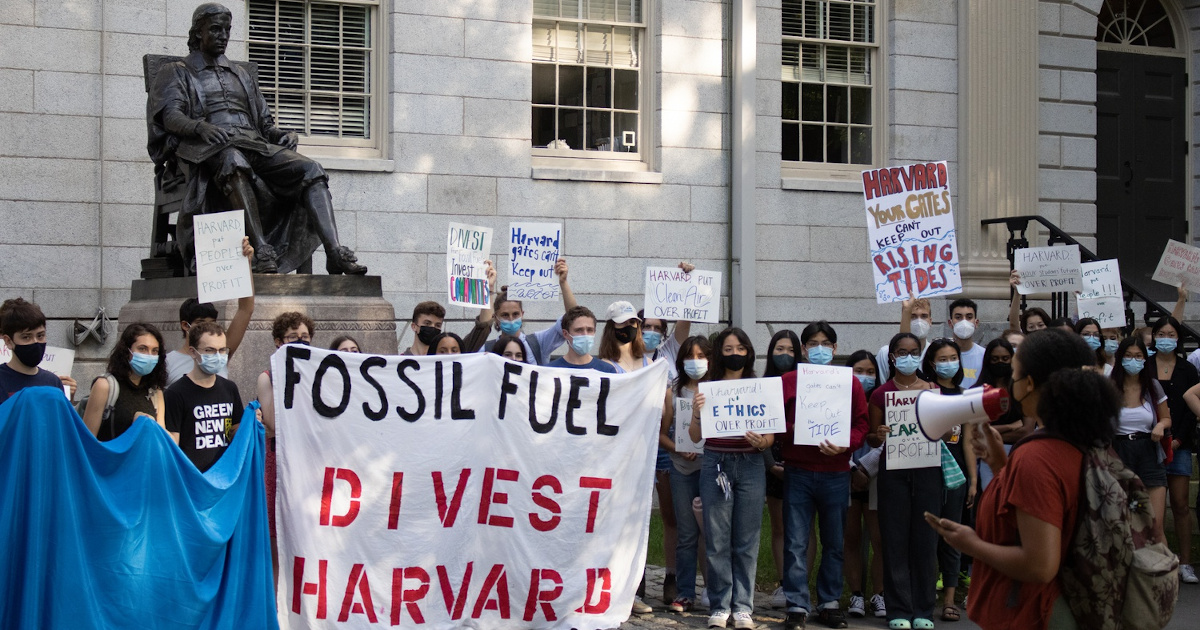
{"x":823,"y":404}
{"x":683,"y":422}
{"x":1110,"y":312}
{"x":1101,"y":279}
{"x":906,"y":446}
{"x":467,"y":246}
{"x":1179,"y":265}
{"x":222,"y":272}
{"x":676,"y":295}
{"x":58,"y":360}
{"x":1048,"y":269}
{"x":533,"y":248}
{"x":731,"y":408}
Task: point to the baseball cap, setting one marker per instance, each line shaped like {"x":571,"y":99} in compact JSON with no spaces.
{"x":621,"y":312}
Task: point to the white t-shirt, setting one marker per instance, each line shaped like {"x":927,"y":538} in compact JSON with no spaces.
{"x":1141,"y":419}
{"x":669,"y":350}
{"x":972,"y":363}
{"x":179,"y":364}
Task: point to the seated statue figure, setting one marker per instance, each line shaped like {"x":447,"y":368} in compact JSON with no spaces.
{"x":209,"y":114}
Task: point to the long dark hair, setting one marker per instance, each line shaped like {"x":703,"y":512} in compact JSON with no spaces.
{"x":438,"y":339}
{"x":859,"y":355}
{"x":1089,"y":321}
{"x":1080,"y":406}
{"x":929,"y":366}
{"x":1118,"y":372}
{"x":118,"y":359}
{"x":502,"y":342}
{"x":893,"y":344}
{"x":1046,"y":351}
{"x":716,"y":365}
{"x":986,"y":377}
{"x":685,"y":352}
{"x":771,"y":370}
{"x":1034,"y":311}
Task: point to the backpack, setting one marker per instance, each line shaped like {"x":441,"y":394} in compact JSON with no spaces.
{"x":114,"y":390}
{"x":1112,"y":577}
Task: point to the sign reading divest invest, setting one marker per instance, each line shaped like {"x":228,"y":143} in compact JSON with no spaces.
{"x":910,"y":229}
{"x":467,"y":247}
{"x":731,"y":408}
{"x":906,"y":446}
{"x":465,"y":491}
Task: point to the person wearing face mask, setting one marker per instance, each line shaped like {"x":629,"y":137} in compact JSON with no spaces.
{"x":964,"y":322}
{"x":916,"y":317}
{"x":1089,"y":329}
{"x":509,"y":318}
{"x":1012,"y":425}
{"x":621,"y":344}
{"x":203,"y":409}
{"x":1110,"y":338}
{"x":136,"y":368}
{"x":783,"y":352}
{"x":23,"y":328}
{"x":579,"y":330}
{"x":1032,"y":319}
{"x":864,"y":506}
{"x":1145,"y":418}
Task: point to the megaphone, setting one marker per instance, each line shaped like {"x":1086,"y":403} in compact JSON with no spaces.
{"x":937,"y":414}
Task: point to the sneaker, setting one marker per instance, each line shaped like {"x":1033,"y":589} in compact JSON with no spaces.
{"x":939,"y":583}
{"x":964,"y":579}
{"x":703,"y":598}
{"x":858,"y":606}
{"x":640,"y":607}
{"x":681,"y":604}
{"x":1187,"y":574}
{"x":795,"y":621}
{"x":878,"y":606}
{"x":718,"y":619}
{"x":743,"y":621}
{"x":670,"y":591}
{"x":832,"y":617}
{"x":778,"y":599}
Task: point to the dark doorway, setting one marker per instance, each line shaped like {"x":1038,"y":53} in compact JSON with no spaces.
{"x":1141,"y":162}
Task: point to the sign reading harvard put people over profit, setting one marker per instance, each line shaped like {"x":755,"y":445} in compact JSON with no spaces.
{"x":910,"y":229}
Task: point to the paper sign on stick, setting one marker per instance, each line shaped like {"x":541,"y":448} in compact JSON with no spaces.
{"x":533,"y":249}
{"x":673,"y":294}
{"x":467,"y":246}
{"x":906,"y":446}
{"x":1179,"y":265}
{"x":910,"y":230}
{"x":1101,"y":279}
{"x":731,"y":408}
{"x":1048,"y":269}
{"x":683,"y":421}
{"x":823,"y":401}
{"x":222,"y":272}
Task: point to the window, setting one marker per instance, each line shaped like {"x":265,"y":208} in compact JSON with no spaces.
{"x":587,"y":77}
{"x":829,"y":91}
{"x":317,"y":65}
{"x":1135,"y":23}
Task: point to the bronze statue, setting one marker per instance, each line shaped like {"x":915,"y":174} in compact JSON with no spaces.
{"x":207,"y":116}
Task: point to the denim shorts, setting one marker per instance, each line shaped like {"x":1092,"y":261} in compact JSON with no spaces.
{"x":1141,"y":456}
{"x":664,"y":460}
{"x":1182,"y":464}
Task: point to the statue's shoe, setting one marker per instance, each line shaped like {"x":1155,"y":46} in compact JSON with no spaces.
{"x":343,"y":260}
{"x":265,"y":260}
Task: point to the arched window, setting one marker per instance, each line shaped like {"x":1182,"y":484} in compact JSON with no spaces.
{"x":1135,"y":23}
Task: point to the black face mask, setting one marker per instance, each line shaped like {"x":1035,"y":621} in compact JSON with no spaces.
{"x":427,"y":334}
{"x":30,"y":354}
{"x":1002,"y":370}
{"x":734,"y":362}
{"x":624,"y":335}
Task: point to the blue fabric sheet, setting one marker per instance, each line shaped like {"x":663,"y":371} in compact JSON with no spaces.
{"x":127,"y":533}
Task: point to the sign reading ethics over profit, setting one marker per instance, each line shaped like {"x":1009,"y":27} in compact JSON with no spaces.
{"x":471,"y":491}
{"x":910,"y":228}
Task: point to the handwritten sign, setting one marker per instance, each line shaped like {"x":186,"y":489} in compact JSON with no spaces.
{"x":823,"y":401}
{"x":532,"y":251}
{"x":1179,"y":265}
{"x":906,"y":446}
{"x":1101,"y":279}
{"x":673,"y":294}
{"x":222,"y":272}
{"x":683,"y":421}
{"x":1110,"y":312}
{"x":1048,"y":269}
{"x":910,"y":230}
{"x":60,"y":361}
{"x":467,"y":247}
{"x":731,"y":408}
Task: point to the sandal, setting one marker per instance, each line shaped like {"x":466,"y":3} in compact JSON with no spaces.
{"x":922,"y":624}
{"x":951,"y":613}
{"x":899,"y":624}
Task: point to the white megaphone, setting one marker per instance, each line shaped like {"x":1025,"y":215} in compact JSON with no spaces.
{"x":937,"y":414}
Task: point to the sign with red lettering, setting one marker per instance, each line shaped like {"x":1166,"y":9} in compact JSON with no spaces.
{"x":910,"y":229}
{"x":460,"y":490}
{"x":1179,"y":266}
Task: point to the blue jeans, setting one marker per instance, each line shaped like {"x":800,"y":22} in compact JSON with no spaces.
{"x":685,"y":488}
{"x":828,"y":494}
{"x":732,"y":527}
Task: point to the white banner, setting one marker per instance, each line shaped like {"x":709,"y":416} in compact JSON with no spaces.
{"x":460,"y":492}
{"x":731,"y":408}
{"x":824,"y":399}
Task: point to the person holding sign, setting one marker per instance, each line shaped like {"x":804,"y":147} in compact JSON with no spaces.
{"x":136,"y":368}
{"x":656,"y":339}
{"x":732,"y":488}
{"x":509,"y":318}
{"x":23,"y":328}
{"x":905,"y":493}
{"x":818,"y":478}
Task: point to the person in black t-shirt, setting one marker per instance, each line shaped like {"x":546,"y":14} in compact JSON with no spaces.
{"x":203,"y":409}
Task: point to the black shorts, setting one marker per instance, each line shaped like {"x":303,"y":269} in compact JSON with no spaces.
{"x":1141,"y":456}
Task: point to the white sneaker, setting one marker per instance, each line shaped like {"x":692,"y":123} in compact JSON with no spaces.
{"x":1187,"y":574}
{"x":742,"y":620}
{"x":718,"y":619}
{"x":703,"y":598}
{"x":857,"y":606}
{"x":640,"y":607}
{"x":778,"y":600}
{"x":878,"y":606}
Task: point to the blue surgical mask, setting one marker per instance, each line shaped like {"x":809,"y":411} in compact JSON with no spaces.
{"x":582,"y":344}
{"x":1166,"y":344}
{"x":1133,"y":366}
{"x":652,"y":339}
{"x":1151,"y":351}
{"x":820,"y":355}
{"x":510,"y":327}
{"x":908,"y":365}
{"x":785,"y":362}
{"x":143,"y":364}
{"x":947,"y":369}
{"x":695,"y":368}
{"x":868,"y":381}
{"x":213,"y":363}
{"x":1093,"y":341}
{"x":1110,"y":345}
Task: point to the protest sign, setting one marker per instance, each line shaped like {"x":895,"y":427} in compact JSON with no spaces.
{"x":683,"y":421}
{"x":1179,"y":266}
{"x":460,"y":492}
{"x":823,"y":400}
{"x":731,"y":408}
{"x":222,"y":272}
{"x":1048,"y":269}
{"x":674,"y":294}
{"x":910,"y":230}
{"x":1109,"y":312}
{"x":533,"y":249}
{"x":1101,"y":279}
{"x":467,"y":248}
{"x":906,"y":446}
{"x":58,"y":361}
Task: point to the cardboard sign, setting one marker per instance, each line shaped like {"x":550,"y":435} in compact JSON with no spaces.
{"x":1179,"y":266}
{"x":1048,"y":269}
{"x":1101,"y":279}
{"x":222,"y":272}
{"x":823,"y":401}
{"x":683,"y":421}
{"x":906,"y":446}
{"x":1110,"y":312}
{"x":533,"y":249}
{"x":731,"y":408}
{"x":467,"y":246}
{"x":910,"y":230}
{"x":673,"y":294}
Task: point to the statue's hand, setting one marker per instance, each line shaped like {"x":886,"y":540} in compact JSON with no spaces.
{"x":211,"y":133}
{"x":289,"y":140}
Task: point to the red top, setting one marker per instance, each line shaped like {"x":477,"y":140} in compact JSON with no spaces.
{"x":810,"y":457}
{"x":1042,"y":480}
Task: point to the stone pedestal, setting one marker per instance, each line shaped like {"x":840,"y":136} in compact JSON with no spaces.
{"x":339,"y":305}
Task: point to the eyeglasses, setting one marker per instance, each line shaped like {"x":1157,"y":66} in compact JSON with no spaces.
{"x":212,"y":351}
{"x":295,"y":338}
{"x":813,"y":344}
